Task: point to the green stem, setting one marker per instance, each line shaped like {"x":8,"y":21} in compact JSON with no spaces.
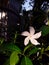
{"x":27,"y":48}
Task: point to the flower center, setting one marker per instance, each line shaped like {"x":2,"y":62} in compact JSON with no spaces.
{"x":30,"y":36}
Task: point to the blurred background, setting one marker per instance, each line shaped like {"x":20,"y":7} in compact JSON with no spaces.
{"x":18,"y":15}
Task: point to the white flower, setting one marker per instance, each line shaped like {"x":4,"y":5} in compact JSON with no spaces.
{"x":31,"y":36}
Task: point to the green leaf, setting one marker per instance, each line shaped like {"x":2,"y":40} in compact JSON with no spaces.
{"x":14,"y":58}
{"x":45,"y":30}
{"x":15,"y":37}
{"x":47,"y":48}
{"x":42,"y":50}
{"x":33,"y":50}
{"x":1,"y":40}
{"x":26,"y":61}
{"x":10,"y":47}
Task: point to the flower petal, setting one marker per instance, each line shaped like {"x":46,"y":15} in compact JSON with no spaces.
{"x":33,"y":41}
{"x":37,"y":35}
{"x":26,"y":41}
{"x":32,"y":30}
{"x":25,"y":33}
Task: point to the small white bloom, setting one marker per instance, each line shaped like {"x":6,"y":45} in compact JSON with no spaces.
{"x":3,"y":14}
{"x":0,"y":15}
{"x":37,"y":53}
{"x":31,"y":36}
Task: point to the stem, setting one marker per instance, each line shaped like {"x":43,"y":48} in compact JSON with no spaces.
{"x":27,"y":48}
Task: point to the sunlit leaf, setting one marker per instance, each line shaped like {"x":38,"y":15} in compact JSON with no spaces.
{"x":14,"y":58}
{"x":26,"y":61}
